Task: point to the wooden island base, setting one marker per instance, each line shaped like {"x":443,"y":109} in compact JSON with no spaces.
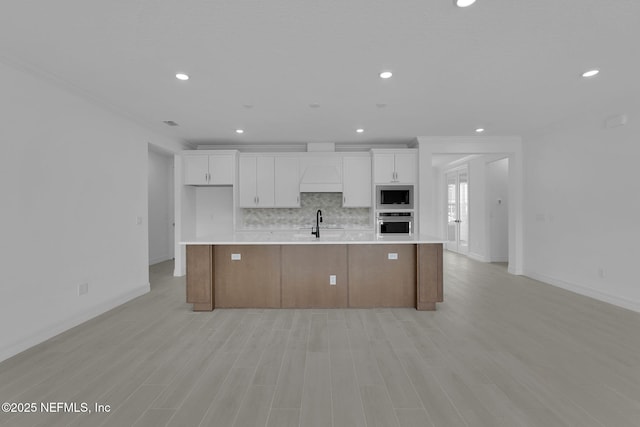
{"x":301,"y":276}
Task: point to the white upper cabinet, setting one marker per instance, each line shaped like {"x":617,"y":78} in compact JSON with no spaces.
{"x":287,"y":182}
{"x":196,"y":169}
{"x":247,"y":185}
{"x":255,"y":184}
{"x":385,"y":167}
{"x":356,"y":181}
{"x":265,"y":182}
{"x":268,"y":182}
{"x":395,"y":166}
{"x":406,"y":165}
{"x":221,"y":169}
{"x":208,"y":169}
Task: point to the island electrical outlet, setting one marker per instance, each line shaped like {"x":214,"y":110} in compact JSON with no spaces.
{"x":332,"y":279}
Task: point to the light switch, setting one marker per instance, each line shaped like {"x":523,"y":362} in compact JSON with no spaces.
{"x":236,"y":257}
{"x":332,"y":279}
{"x":392,"y":255}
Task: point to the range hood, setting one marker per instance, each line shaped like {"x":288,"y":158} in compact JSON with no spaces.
{"x":321,"y":173}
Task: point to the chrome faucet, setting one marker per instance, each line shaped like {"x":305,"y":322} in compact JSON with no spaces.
{"x":318,"y":221}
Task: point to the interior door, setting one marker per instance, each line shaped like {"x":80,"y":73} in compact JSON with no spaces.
{"x":458,"y":210}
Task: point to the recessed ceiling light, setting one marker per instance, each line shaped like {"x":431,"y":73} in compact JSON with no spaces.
{"x":239,"y":131}
{"x":386,"y":74}
{"x":464,"y":3}
{"x":479,"y":130}
{"x":247,"y":106}
{"x":590,"y":73}
{"x":381,"y":105}
{"x":170,"y":123}
{"x":359,"y":130}
{"x":182,"y":76}
{"x":314,"y":105}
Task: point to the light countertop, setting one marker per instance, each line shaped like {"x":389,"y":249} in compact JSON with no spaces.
{"x":302,"y":237}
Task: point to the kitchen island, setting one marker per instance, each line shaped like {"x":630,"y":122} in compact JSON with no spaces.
{"x":296,"y":270}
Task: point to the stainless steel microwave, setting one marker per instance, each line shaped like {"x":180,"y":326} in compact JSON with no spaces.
{"x":394,"y":197}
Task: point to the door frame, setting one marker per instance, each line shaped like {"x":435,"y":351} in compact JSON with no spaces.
{"x":456,"y":170}
{"x":509,"y":146}
{"x":171,"y":200}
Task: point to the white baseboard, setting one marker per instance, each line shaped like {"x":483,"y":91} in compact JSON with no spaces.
{"x":68,"y":323}
{"x":586,"y":291}
{"x":500,"y":259}
{"x":477,"y":257}
{"x":160,"y":259}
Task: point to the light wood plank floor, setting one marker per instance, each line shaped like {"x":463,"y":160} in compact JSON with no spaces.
{"x":500,"y":351}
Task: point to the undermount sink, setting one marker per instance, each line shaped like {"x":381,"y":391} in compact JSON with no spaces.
{"x":324,"y":234}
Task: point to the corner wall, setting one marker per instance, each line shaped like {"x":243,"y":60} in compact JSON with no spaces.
{"x":582,"y":207}
{"x":73,"y":180}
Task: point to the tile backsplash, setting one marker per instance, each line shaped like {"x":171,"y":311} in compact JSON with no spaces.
{"x":333,"y":214}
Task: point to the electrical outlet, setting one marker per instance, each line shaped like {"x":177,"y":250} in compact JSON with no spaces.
{"x":236,"y":257}
{"x":139,"y":220}
{"x":83,"y":289}
{"x":332,"y":279}
{"x":392,"y":255}
{"x":601,"y":272}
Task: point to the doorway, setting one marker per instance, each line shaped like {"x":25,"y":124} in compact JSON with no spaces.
{"x":161,"y":205}
{"x":457,"y":191}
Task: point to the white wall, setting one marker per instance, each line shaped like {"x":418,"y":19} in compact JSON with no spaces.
{"x":73,"y":182}
{"x":498,"y":212}
{"x":582,"y":207}
{"x":214,"y":210}
{"x":160,"y":206}
{"x":477,"y":209}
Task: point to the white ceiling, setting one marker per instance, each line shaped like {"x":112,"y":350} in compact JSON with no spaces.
{"x":510,"y":66}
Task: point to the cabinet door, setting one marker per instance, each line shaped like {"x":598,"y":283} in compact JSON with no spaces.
{"x":429,"y":276}
{"x":306,"y":276}
{"x":287,"y":182}
{"x":384,"y":166}
{"x":382,"y":275}
{"x":196,"y":169}
{"x":356,"y":184}
{"x":265,"y":182}
{"x":405,"y":167}
{"x":247,"y":190}
{"x":221,"y":169}
{"x":247,"y":276}
{"x":200,"y":277}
